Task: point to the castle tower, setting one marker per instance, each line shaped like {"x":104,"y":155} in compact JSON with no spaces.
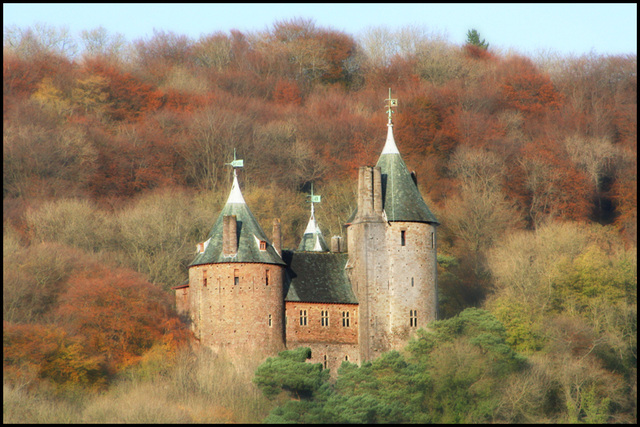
{"x":236,"y":283}
{"x":312,"y":240}
{"x":392,"y":253}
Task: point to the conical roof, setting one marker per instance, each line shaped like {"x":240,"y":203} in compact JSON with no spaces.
{"x":250,"y":235}
{"x":401,"y":198}
{"x":312,"y":240}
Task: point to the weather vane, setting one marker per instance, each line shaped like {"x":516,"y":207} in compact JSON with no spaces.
{"x":314,"y":198}
{"x":390,"y":104}
{"x":235,"y":163}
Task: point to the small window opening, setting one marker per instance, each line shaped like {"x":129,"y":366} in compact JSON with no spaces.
{"x":303,"y":317}
{"x":325,"y":361}
{"x":270,"y":322}
{"x":346,"y":357}
{"x":236,"y":277}
{"x":324,"y":318}
{"x":345,"y":319}
{"x":204,"y":278}
{"x":266,"y":278}
{"x":413,"y":318}
{"x":403,"y":238}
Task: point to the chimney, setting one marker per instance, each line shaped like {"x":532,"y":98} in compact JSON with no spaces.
{"x":277,"y":236}
{"x":369,"y":192}
{"x":336,"y":244}
{"x":229,"y":235}
{"x":377,"y":191}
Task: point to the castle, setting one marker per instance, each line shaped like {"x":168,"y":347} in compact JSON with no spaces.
{"x":245,"y":292}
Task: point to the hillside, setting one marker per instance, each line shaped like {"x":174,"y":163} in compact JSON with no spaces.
{"x":114,"y":168}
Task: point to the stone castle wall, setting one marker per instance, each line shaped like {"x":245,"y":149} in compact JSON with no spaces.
{"x":411,"y":256}
{"x":341,"y":329}
{"x":237,"y":306}
{"x":330,"y":343}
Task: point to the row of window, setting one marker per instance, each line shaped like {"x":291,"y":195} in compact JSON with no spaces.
{"x":325,"y":360}
{"x":236,"y":277}
{"x":324,"y":318}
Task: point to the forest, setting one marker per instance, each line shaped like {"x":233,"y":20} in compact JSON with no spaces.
{"x":114,"y":167}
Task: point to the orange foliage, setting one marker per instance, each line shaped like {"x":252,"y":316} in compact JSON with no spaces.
{"x":339,"y":48}
{"x":556,"y":189}
{"x":287,"y":92}
{"x":525,"y":89}
{"x":118,"y":314}
{"x":47,"y":352}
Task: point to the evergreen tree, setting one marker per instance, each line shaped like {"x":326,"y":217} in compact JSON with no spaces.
{"x":473,"y":38}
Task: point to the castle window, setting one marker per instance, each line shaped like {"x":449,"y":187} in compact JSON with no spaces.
{"x":412,"y":282}
{"x":266,"y":278}
{"x":433,"y":240}
{"x":270,"y":323}
{"x":263,"y":245}
{"x":325,"y":361}
{"x":236,"y":277}
{"x":346,"y":357}
{"x":413,"y":318}
{"x":303,"y":317}
{"x":403,"y":237}
{"x":204,"y":278}
{"x":345,"y":319}
{"x":324,"y":317}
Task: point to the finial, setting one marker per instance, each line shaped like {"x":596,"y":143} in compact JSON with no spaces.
{"x":236,"y":163}
{"x":313,"y":198}
{"x":390,"y":104}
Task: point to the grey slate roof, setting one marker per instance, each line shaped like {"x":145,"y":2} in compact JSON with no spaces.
{"x":317,"y":277}
{"x":401,"y":198}
{"x":313,"y":242}
{"x":250,"y":234}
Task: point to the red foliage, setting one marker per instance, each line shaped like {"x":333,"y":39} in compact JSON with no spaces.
{"x":129,"y":98}
{"x":339,"y":47}
{"x":287,"y":92}
{"x":525,"y":89}
{"x":476,"y":52}
{"x":560,"y":190}
{"x":20,"y":77}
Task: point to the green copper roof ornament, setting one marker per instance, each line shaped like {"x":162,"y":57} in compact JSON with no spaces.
{"x":236,"y":163}
{"x":314,"y":198}
{"x":390,"y":104}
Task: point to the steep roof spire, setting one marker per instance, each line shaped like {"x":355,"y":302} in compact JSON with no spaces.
{"x":235,"y":195}
{"x":390,"y":146}
{"x":312,"y":240}
{"x":253,"y":244}
{"x":401,"y":199}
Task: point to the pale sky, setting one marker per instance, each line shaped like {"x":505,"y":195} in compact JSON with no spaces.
{"x":606,"y":28}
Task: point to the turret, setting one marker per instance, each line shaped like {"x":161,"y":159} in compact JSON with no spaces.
{"x":236,"y":283}
{"x":392,"y":253}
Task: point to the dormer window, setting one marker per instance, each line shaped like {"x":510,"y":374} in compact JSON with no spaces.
{"x":263,"y":245}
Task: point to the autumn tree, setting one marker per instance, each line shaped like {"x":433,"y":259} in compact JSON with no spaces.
{"x":118,"y":314}
{"x":99,"y":43}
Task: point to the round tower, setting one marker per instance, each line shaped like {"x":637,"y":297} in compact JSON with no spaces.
{"x":392,"y":253}
{"x":236,"y":299}
{"x":411,"y":243}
